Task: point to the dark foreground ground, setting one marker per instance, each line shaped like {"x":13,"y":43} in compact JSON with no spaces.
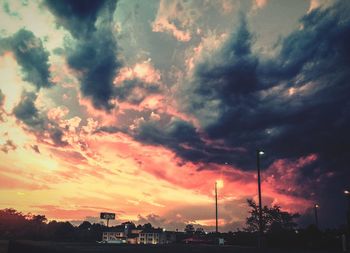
{"x":66,"y":247}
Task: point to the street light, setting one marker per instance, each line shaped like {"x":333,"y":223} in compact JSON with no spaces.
{"x":316,"y":216}
{"x":216,"y":207}
{"x":218,"y":184}
{"x":347,"y":194}
{"x":258,"y":154}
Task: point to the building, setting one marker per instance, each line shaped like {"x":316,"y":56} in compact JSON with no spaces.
{"x":156,"y":236}
{"x":114,"y":235}
{"x":128,"y":234}
{"x":152,"y":236}
{"x":170,"y":237}
{"x":133,"y":239}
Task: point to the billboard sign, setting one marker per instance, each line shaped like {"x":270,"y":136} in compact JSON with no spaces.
{"x":107,"y":216}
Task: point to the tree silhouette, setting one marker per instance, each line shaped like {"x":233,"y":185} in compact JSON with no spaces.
{"x":85,"y":225}
{"x":273,"y":218}
{"x":38,"y":219}
{"x":199,"y":231}
{"x":147,"y":226}
{"x":189,"y":229}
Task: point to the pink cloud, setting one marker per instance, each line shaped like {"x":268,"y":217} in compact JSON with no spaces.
{"x":143,"y":71}
{"x":259,"y":4}
{"x":57,"y":212}
{"x":167,"y":11}
{"x":9,"y":182}
{"x":238,"y":184}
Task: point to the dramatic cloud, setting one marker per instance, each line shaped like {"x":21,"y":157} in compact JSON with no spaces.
{"x":292,"y":105}
{"x":30,"y":55}
{"x":96,"y":63}
{"x":133,"y":85}
{"x":78,"y":17}
{"x":168,"y":13}
{"x":27,"y":112}
{"x":94,"y":53}
{"x":250,"y":104}
{"x":37,"y":122}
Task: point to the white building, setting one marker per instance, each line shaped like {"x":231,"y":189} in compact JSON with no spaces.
{"x":152,"y":236}
{"x":114,"y":237}
{"x":156,"y":236}
{"x":138,"y":236}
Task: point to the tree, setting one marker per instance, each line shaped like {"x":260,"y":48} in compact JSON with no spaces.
{"x":130,"y":224}
{"x":199,"y":231}
{"x":273,"y":218}
{"x":38,"y":219}
{"x":12,"y":223}
{"x":85,"y":225}
{"x":189,"y":229}
{"x":147,"y":226}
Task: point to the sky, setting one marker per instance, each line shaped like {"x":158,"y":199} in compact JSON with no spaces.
{"x":138,"y":108}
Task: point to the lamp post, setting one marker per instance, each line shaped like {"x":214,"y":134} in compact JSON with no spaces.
{"x":258,"y":154}
{"x":316,"y":215}
{"x":347,"y":194}
{"x":216,"y":207}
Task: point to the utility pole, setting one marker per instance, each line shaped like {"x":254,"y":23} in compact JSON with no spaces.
{"x":216,"y":208}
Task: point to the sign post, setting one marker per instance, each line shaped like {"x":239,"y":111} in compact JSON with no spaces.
{"x":107,"y":216}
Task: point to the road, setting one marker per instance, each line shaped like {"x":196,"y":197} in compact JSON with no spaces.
{"x":72,"y":247}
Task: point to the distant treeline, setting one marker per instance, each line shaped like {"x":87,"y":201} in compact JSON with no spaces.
{"x":16,"y":225}
{"x":279,"y":231}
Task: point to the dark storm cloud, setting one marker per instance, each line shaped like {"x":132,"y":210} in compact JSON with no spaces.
{"x":30,"y":55}
{"x":182,"y":138}
{"x":221,"y":79}
{"x":247,"y":102}
{"x":234,"y":68}
{"x":27,"y":112}
{"x":292,"y":105}
{"x":56,"y":135}
{"x":94,"y":53}
{"x":135,"y":91}
{"x":97,"y":62}
{"x":78,"y":16}
{"x":38,"y":123}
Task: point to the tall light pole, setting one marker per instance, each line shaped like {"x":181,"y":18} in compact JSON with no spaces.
{"x":258,"y":154}
{"x":216,"y":207}
{"x":316,"y":215}
{"x":347,"y":194}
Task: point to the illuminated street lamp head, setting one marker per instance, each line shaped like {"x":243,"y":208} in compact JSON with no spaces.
{"x":261,"y":152}
{"x":347,"y":192}
{"x":219,"y":183}
{"x":317,"y":206}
